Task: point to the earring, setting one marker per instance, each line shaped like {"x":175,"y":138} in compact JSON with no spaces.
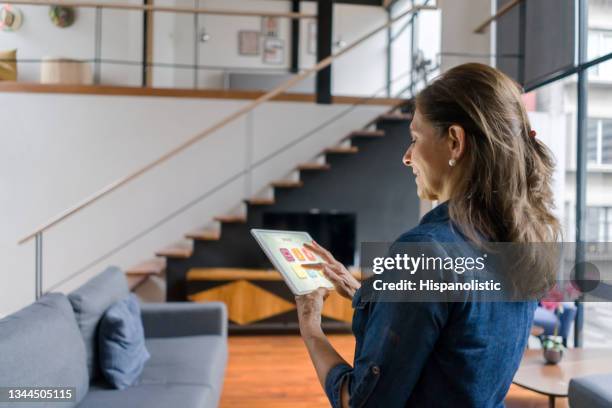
{"x":452,"y":162}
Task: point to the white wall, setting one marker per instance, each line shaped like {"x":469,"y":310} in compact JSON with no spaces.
{"x":361,"y":72}
{"x":56,"y":150}
{"x":459,"y":19}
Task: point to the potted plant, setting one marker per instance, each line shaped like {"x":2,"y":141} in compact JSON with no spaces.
{"x":553,"y":346}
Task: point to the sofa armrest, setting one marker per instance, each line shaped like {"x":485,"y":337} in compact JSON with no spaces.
{"x":176,"y":319}
{"x":592,"y":391}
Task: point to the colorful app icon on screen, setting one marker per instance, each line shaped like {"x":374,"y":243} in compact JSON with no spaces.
{"x":309,"y":255}
{"x":312,"y":272}
{"x":299,"y":271}
{"x":287,"y":255}
{"x":298,"y":254}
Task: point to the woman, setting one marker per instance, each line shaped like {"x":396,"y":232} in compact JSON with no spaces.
{"x":472,"y":150}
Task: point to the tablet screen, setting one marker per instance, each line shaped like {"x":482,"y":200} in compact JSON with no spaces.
{"x":287,"y":253}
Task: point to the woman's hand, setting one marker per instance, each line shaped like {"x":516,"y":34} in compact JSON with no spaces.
{"x":309,"y":308}
{"x":344,"y":282}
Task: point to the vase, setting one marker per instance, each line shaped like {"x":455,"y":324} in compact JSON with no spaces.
{"x":553,"y":356}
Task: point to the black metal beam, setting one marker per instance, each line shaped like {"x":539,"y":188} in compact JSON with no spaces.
{"x":388,"y":55}
{"x":295,"y":38}
{"x":325,"y":9}
{"x":145,"y":43}
{"x":522,"y":41}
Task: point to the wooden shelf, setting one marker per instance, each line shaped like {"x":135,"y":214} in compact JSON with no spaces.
{"x":31,"y":87}
{"x":231,"y":274}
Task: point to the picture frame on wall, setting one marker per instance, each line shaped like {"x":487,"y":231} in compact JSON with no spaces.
{"x":273,"y":51}
{"x":269,"y":26}
{"x":248,"y":43}
{"x":311,"y":39}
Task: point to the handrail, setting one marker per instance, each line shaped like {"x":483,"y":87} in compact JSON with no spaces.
{"x":190,"y":10}
{"x":505,"y":9}
{"x":228,"y":119}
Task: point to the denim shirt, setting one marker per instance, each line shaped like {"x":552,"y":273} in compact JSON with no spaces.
{"x":432,"y":354}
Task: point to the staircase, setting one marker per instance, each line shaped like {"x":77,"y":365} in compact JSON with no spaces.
{"x":363,"y":174}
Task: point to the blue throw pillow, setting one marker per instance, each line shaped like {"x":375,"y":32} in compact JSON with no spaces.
{"x":122,"y":351}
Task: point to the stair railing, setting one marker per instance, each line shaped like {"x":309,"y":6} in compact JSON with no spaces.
{"x":37,"y":234}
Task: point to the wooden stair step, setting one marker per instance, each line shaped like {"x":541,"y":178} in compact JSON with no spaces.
{"x":154,"y":266}
{"x":260,"y":201}
{"x":314,"y":166}
{"x":287,"y":184}
{"x":367,"y":133}
{"x":134,"y":281}
{"x":231,"y":219}
{"x":181,"y":251}
{"x":204,"y":234}
{"x":342,"y":149}
{"x":395,"y":116}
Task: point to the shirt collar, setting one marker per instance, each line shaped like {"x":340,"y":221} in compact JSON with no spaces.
{"x":438,"y":214}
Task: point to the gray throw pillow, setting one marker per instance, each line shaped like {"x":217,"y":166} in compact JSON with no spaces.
{"x":122,"y":351}
{"x":90,"y":302}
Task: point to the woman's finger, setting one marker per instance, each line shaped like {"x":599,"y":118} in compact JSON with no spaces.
{"x":330,"y":274}
{"x":322,"y":252}
{"x":316,"y":244}
{"x":318,"y":265}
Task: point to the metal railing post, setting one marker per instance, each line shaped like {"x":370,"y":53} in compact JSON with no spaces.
{"x":38,"y":267}
{"x":98,"y":46}
{"x":248,"y":159}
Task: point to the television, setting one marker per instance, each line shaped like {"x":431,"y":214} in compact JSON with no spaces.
{"x":334,"y":231}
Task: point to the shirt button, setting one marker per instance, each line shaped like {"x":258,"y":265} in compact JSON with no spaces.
{"x":375,"y":370}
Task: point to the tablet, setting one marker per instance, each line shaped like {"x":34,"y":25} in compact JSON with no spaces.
{"x":286,"y":251}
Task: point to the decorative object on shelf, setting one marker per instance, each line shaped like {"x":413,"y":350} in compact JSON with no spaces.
{"x":274,"y":51}
{"x":311,"y":45}
{"x":62,"y":16}
{"x":10,"y":18}
{"x":54,"y":70}
{"x":269,"y":26}
{"x":8,"y":65}
{"x":248,"y":42}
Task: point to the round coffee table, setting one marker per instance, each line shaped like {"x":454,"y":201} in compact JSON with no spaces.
{"x":553,"y":379}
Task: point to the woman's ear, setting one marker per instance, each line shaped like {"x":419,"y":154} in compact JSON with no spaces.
{"x":456,"y":141}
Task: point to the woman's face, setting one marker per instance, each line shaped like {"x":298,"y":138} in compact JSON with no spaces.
{"x":428,"y":155}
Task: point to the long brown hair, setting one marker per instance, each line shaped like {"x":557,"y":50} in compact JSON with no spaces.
{"x":502,"y":189}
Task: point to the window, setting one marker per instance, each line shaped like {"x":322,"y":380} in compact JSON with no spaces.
{"x":600,"y":43}
{"x":599,"y":141}
{"x":599,"y":224}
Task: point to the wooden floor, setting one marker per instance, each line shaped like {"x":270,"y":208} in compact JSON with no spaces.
{"x":275,"y":372}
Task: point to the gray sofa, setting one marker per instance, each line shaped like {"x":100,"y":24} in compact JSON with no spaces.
{"x":591,"y":391}
{"x":52,"y":342}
